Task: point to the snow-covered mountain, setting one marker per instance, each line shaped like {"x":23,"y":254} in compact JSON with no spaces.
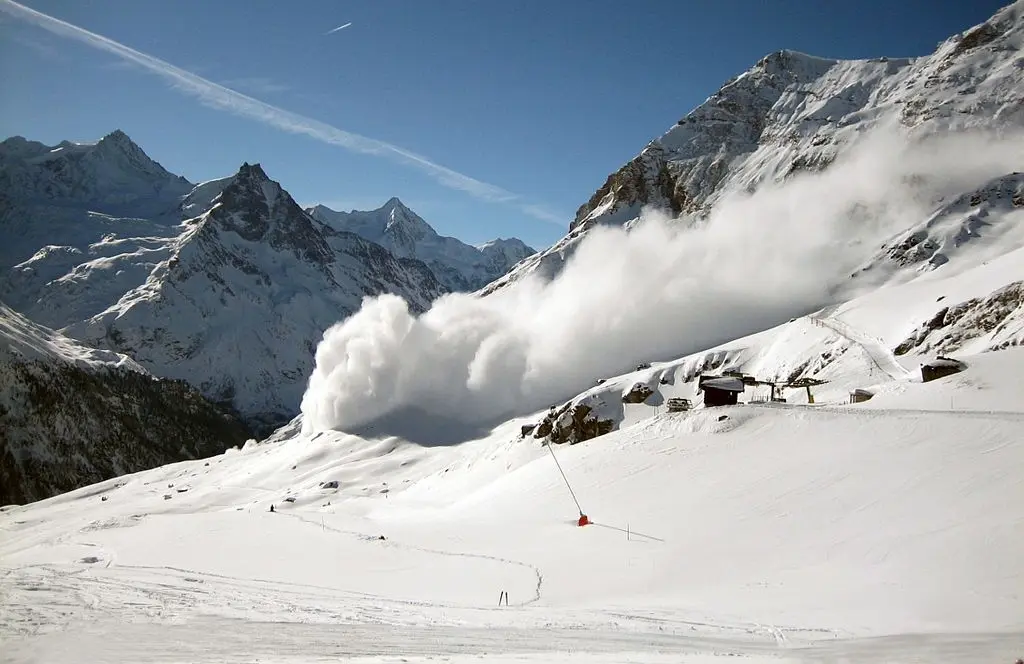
{"x":793,"y":113}
{"x":80,"y":192}
{"x":236,"y":303}
{"x":71,"y":415}
{"x":457,"y":265}
{"x":113,"y":175}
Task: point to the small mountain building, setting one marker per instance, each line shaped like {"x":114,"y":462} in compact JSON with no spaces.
{"x":721,"y":390}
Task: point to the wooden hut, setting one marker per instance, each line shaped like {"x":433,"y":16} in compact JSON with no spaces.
{"x":721,"y":390}
{"x":940,"y":368}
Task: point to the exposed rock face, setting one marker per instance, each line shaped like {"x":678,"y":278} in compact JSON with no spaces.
{"x":997,"y":321}
{"x":71,"y":416}
{"x":793,"y":113}
{"x":572,"y":423}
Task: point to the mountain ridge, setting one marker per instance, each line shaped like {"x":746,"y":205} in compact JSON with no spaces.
{"x":459,"y":266}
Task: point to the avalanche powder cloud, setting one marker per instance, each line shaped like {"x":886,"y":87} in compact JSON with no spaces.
{"x":661,"y":290}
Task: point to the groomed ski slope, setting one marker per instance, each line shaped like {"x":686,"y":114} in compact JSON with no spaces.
{"x":886,"y":531}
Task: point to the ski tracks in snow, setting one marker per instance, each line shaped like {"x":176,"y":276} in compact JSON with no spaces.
{"x":439,"y":552}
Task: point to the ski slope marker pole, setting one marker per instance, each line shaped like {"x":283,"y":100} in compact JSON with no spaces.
{"x":583,"y":521}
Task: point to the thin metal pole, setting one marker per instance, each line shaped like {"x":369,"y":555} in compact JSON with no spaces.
{"x":571,"y":492}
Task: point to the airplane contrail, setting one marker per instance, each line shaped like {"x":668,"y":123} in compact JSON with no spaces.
{"x":222,"y":98}
{"x":340,"y":27}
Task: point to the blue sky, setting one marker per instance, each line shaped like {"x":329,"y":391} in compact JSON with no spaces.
{"x":531,"y":103}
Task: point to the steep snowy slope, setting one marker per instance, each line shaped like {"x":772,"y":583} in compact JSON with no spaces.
{"x":794,"y":113}
{"x":236,"y":304}
{"x":784,"y":534}
{"x":457,"y":265}
{"x":72,"y":415}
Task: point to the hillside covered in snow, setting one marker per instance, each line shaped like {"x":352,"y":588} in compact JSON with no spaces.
{"x":71,"y":415}
{"x":457,"y":265}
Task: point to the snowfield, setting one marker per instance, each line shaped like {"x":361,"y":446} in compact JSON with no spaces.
{"x":885,"y":531}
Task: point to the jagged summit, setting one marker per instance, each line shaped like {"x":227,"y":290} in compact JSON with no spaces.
{"x":258,"y":209}
{"x":116,"y":138}
{"x":253,"y":172}
{"x":404,"y":233}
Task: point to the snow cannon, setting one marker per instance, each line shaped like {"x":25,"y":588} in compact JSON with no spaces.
{"x":584,"y":521}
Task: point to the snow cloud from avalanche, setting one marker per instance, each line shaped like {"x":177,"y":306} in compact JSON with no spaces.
{"x":660,"y":290}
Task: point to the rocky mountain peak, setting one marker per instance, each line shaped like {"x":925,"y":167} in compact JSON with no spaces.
{"x":252,"y":173}
{"x":404,"y":225}
{"x":119,"y":148}
{"x":258,"y":209}
{"x":405,"y":234}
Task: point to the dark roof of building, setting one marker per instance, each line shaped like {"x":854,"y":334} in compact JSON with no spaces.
{"x":945,"y":362}
{"x":726,"y":384}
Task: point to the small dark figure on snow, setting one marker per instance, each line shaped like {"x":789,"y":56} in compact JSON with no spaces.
{"x":271,"y":508}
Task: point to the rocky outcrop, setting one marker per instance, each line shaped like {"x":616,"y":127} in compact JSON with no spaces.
{"x":572,"y":423}
{"x":997,"y":320}
{"x":971,"y":219}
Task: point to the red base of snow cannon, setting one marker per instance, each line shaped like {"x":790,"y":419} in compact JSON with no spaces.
{"x":584,"y":521}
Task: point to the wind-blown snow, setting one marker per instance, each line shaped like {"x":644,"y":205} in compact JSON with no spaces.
{"x":658,"y":290}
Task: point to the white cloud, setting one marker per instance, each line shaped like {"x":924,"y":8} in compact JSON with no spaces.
{"x":223,"y":98}
{"x":659,"y":291}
